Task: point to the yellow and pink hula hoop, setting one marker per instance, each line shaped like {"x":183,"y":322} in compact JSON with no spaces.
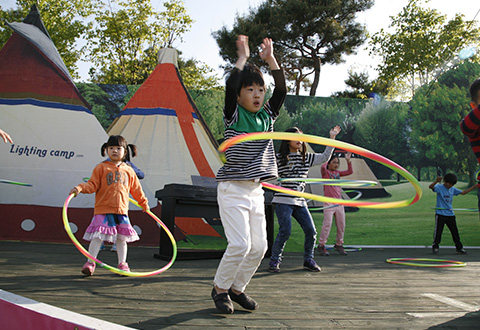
{"x":435,"y":263}
{"x":108,"y":267}
{"x":338,"y":144}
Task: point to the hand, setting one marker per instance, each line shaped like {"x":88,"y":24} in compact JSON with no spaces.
{"x":348,"y":155}
{"x":6,"y":138}
{"x":243,"y":51}
{"x":74,"y":191}
{"x":439,"y":178}
{"x":267,"y":49}
{"x":334,"y":131}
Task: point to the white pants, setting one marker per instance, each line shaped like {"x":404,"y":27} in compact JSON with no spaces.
{"x":242,"y":210}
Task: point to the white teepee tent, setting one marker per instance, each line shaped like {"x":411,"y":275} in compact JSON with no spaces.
{"x":56,"y":138}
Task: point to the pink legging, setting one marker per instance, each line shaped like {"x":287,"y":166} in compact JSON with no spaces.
{"x":339,"y":213}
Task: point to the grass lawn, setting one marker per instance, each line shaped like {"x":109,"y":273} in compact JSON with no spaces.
{"x":411,"y":225}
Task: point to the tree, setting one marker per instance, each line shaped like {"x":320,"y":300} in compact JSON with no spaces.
{"x":126,"y":39}
{"x":307,"y":35}
{"x":103,"y":109}
{"x":420,"y":44}
{"x":382,"y":128}
{"x":198,"y":75}
{"x":317,"y":118}
{"x":65,"y":21}
{"x":210,"y":104}
{"x":436,"y":113}
{"x":360,"y":87}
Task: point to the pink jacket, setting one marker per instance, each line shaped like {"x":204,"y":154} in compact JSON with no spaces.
{"x":334,"y":191}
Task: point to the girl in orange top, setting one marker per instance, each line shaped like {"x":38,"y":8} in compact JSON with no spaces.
{"x":112,"y":181}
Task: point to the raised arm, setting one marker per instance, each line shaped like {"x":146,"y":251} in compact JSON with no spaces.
{"x":432,"y":185}
{"x":349,"y":169}
{"x":267,"y":54}
{"x":243,"y":51}
{"x":466,"y":191}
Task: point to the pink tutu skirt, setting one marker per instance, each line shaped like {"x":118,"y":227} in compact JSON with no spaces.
{"x":108,"y":226}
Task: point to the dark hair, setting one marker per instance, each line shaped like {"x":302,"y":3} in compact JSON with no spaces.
{"x":474,"y":89}
{"x":118,"y":140}
{"x":450,"y":178}
{"x":332,"y":158}
{"x":285,"y":147}
{"x":250,"y":75}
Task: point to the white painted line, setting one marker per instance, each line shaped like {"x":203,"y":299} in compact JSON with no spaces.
{"x":52,"y":312}
{"x":452,"y":302}
{"x":450,"y":315}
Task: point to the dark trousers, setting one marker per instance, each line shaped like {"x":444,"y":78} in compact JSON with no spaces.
{"x":440,"y":222}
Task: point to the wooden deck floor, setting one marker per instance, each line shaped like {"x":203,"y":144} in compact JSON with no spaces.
{"x":358,"y":291}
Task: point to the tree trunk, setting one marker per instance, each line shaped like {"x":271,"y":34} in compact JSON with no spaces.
{"x":419,"y":170}
{"x":317,"y":66}
{"x":298,"y":84}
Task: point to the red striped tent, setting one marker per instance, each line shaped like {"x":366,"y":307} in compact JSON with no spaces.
{"x":175,"y":144}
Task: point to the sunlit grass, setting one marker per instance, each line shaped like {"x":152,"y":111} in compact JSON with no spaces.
{"x":411,"y":225}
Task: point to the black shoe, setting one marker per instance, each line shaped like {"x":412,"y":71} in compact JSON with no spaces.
{"x":222,"y":302}
{"x":274,"y":266}
{"x":311,"y":265}
{"x":461,"y":251}
{"x":243,"y":300}
{"x":435,"y":250}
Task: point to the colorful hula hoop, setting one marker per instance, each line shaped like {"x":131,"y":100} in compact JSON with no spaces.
{"x":108,"y":267}
{"x":331,"y":182}
{"x":338,"y":144}
{"x":15,"y":183}
{"x":359,"y":194}
{"x":443,"y":263}
{"x":442,"y":208}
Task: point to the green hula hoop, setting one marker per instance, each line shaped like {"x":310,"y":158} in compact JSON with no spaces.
{"x":348,"y":248}
{"x":441,"y":263}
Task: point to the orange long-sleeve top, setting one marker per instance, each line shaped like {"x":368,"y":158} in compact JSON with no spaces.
{"x":112,"y":185}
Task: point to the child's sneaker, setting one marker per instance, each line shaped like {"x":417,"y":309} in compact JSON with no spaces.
{"x":435,"y":250}
{"x":243,"y":300}
{"x":311,"y":265}
{"x":274,"y":266}
{"x":323,"y":250}
{"x":461,"y":251}
{"x":340,"y":249}
{"x":88,"y":268}
{"x":123,"y":266}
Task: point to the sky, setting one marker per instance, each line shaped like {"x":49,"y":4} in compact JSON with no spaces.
{"x":211,"y":15}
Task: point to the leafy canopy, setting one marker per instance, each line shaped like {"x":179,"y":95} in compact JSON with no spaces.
{"x":419,"y":44}
{"x":307,"y":34}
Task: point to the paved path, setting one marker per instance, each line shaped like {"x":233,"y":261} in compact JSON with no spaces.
{"x":358,"y":291}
